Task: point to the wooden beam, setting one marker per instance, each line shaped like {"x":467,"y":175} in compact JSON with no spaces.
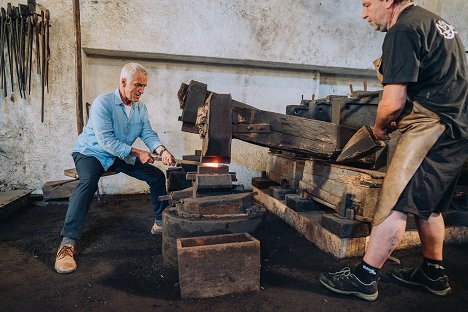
{"x":280,"y":131}
{"x":79,"y":70}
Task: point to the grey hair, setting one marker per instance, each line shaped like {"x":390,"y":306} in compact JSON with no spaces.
{"x":130,"y":69}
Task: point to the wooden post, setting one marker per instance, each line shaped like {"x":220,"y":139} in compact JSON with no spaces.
{"x":79,"y":72}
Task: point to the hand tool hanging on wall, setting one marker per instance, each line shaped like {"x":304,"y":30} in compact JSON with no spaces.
{"x":23,"y":33}
{"x":43,"y":64}
{"x":8,"y":41}
{"x":3,"y":83}
{"x":11,"y":11}
{"x":23,"y":13}
{"x":30,"y":46}
{"x":47,"y":49}
{"x":37,"y":31}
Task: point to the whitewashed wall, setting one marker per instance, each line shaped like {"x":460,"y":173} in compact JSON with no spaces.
{"x":265,"y":53}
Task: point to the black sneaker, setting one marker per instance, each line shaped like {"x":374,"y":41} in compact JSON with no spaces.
{"x":345,"y":282}
{"x":416,"y":276}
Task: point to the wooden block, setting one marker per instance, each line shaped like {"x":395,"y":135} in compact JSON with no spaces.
{"x":297,"y":203}
{"x":232,"y":204}
{"x":71,"y":173}
{"x":62,"y":189}
{"x":12,"y":202}
{"x":279,"y":192}
{"x":217,"y":131}
{"x":195,"y":96}
{"x":262,"y":182}
{"x":456,"y":218}
{"x":308,"y":223}
{"x":345,"y":228}
{"x":285,"y":171}
{"x":328,"y":182}
{"x":211,"y":266}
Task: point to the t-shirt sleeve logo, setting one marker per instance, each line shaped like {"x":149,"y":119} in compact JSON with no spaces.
{"x":446,"y":30}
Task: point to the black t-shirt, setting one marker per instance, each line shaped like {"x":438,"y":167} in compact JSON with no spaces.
{"x":425,"y":52}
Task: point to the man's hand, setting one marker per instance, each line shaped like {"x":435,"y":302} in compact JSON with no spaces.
{"x":390,"y":107}
{"x":143,"y":156}
{"x":167,"y":158}
{"x":382,"y":134}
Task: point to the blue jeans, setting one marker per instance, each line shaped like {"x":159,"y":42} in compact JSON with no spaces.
{"x":89,"y":170}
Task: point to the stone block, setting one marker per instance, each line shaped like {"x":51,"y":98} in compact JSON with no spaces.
{"x":345,"y":228}
{"x":211,"y":266}
{"x":279,"y":192}
{"x":297,"y":203}
{"x":262,"y":182}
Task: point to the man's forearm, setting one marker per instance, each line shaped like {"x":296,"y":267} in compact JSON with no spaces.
{"x":391,"y":105}
{"x":136,"y":152}
{"x":386,"y":114}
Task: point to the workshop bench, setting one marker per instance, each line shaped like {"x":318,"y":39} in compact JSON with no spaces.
{"x":73,"y":174}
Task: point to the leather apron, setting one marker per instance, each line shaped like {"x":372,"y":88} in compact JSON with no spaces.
{"x":420,"y":129}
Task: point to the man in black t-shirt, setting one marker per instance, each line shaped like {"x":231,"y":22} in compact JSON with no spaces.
{"x":425,"y":79}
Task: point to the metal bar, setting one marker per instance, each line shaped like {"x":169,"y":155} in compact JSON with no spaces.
{"x":14,"y":44}
{"x":8,"y":41}
{"x":30,"y":39}
{"x":2,"y":59}
{"x":47,"y":25}
{"x":3,"y":65}
{"x":180,"y":161}
{"x":37,"y":26}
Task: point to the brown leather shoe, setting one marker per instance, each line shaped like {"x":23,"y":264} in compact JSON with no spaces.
{"x":156,"y":229}
{"x":64,"y":262}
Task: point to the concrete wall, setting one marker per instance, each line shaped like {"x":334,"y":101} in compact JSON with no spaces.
{"x":265,"y":53}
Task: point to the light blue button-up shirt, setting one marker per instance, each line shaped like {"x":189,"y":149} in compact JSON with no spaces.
{"x":110,"y":133}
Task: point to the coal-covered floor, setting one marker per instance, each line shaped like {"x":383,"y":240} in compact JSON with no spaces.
{"x":121,"y":268}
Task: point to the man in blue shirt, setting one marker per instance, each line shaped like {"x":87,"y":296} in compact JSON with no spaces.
{"x":116,"y":120}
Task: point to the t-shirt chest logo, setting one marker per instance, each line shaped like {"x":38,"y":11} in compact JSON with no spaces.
{"x":446,"y":30}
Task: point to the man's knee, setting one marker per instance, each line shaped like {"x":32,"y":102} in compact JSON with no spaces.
{"x":433,"y":217}
{"x":156,"y":175}
{"x":89,"y":181}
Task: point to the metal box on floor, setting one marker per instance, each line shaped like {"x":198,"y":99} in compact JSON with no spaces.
{"x":217,"y":265}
